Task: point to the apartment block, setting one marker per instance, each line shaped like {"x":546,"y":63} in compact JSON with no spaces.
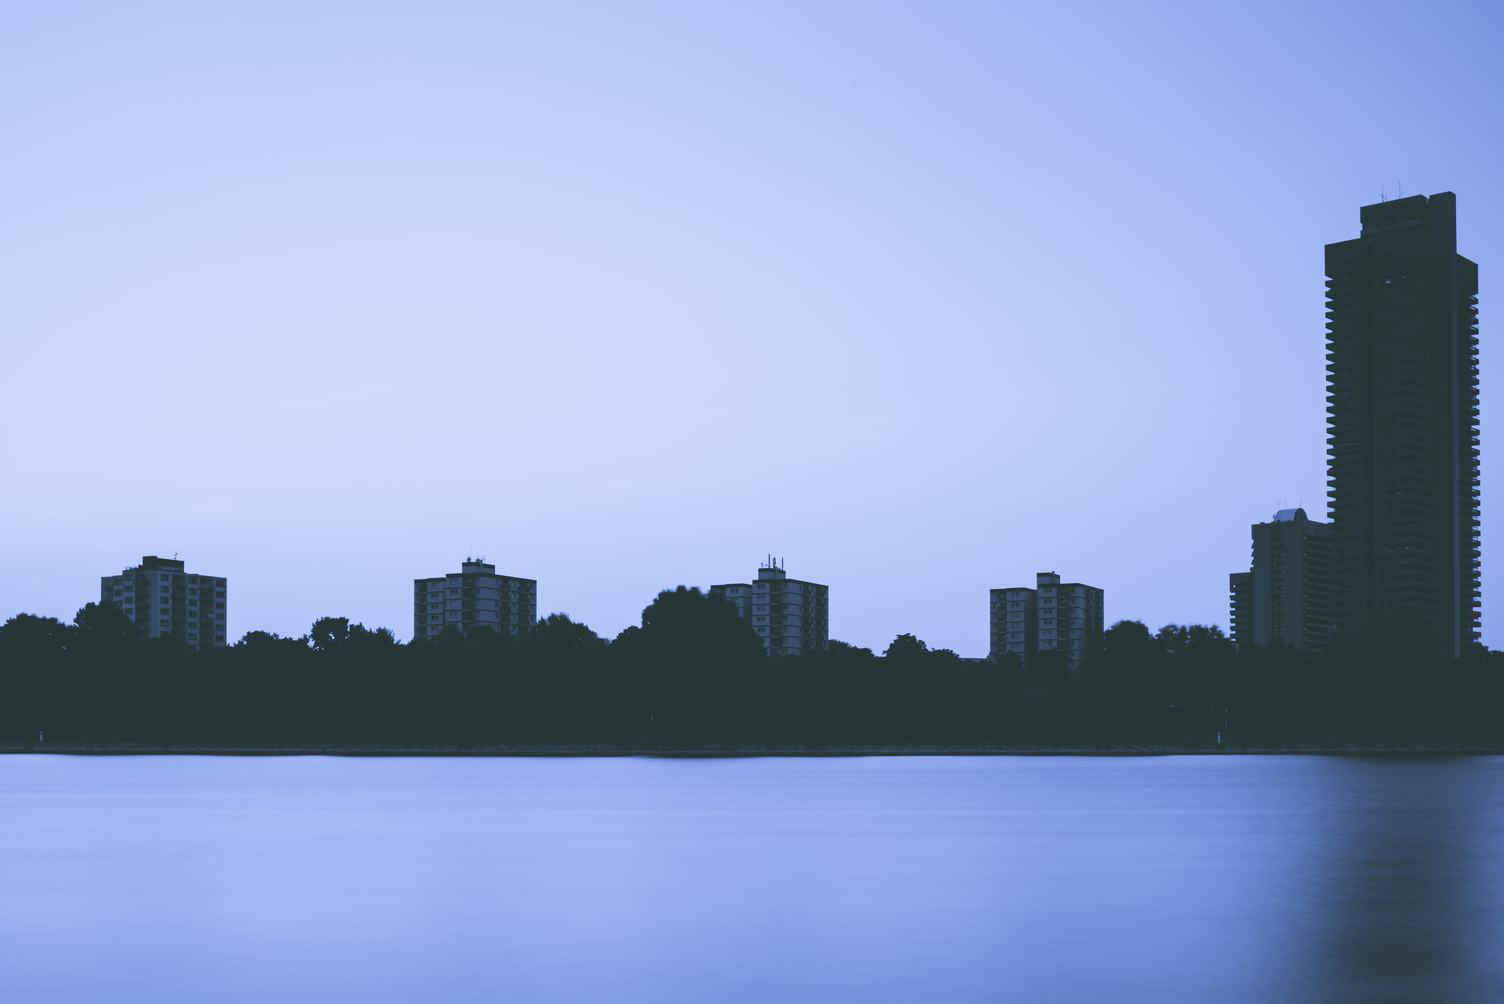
{"x":165,"y":601}
{"x":791,"y":616}
{"x":1053,"y":616}
{"x":1287,"y":596}
{"x":475,"y":598}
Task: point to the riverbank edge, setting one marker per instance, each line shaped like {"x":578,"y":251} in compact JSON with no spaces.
{"x":752,"y":750}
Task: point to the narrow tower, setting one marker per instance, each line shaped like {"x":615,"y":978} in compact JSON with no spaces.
{"x":1402,"y":421}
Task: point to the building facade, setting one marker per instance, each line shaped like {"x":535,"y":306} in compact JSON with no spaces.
{"x":165,"y":601}
{"x":1054,"y":616}
{"x":474,"y":599}
{"x":1240,"y":608}
{"x":1014,"y":623}
{"x":1287,"y":596}
{"x":791,"y":616}
{"x":1402,"y":421}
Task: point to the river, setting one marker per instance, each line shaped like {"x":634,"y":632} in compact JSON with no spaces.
{"x":1178,"y":878}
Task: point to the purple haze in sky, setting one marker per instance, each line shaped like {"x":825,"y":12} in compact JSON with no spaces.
{"x":923,"y":298}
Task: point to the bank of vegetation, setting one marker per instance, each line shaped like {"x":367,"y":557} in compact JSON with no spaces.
{"x":694,"y":674}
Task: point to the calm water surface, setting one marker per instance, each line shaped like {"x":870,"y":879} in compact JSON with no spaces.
{"x":882,"y":879}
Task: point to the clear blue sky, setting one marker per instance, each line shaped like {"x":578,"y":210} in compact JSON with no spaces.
{"x":924,"y":298}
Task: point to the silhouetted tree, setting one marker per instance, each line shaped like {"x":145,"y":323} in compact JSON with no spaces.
{"x":695,"y":672}
{"x":103,"y":625}
{"x":692,"y":656}
{"x":906,"y":648}
{"x":267,"y":645}
{"x":1121,"y":692}
{"x":329,"y":633}
{"x":27,"y":635}
{"x":556,"y":636}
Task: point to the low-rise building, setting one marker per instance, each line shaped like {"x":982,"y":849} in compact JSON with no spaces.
{"x":1054,"y":616}
{"x":165,"y":601}
{"x":791,"y":616}
{"x":475,"y":598}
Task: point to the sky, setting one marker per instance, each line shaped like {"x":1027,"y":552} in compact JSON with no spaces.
{"x":921,"y":298}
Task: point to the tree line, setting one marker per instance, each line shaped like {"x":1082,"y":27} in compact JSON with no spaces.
{"x":695,"y":673}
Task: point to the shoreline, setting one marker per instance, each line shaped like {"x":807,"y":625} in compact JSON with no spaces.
{"x":711,"y":750}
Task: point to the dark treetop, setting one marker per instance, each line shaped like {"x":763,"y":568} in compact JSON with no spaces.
{"x":694,"y":673}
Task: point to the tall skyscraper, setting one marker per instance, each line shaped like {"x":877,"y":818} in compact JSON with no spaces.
{"x":1054,"y":616}
{"x":164,"y":601}
{"x":1286,"y":598}
{"x":474,"y":599}
{"x":790,"y":615}
{"x":1402,"y":421}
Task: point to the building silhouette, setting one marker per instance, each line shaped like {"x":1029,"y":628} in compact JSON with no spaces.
{"x":1402,"y":421}
{"x":1054,"y":616}
{"x":791,"y":616}
{"x":1240,"y":608}
{"x":164,"y":601}
{"x":474,"y":599}
{"x":1286,"y":597}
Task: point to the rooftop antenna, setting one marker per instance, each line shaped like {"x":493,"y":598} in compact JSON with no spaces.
{"x":1383,"y":194}
{"x":1399,"y":190}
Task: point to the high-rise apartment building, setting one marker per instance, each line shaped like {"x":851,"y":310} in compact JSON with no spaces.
{"x":474,"y":599}
{"x":1054,"y":616}
{"x":791,"y":616}
{"x":1014,"y":623}
{"x":1286,"y":599}
{"x":164,"y":601}
{"x":1402,"y":420}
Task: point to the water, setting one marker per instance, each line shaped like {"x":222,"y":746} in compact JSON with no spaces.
{"x":882,"y":879}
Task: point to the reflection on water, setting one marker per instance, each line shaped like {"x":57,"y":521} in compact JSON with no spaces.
{"x":882,"y":879}
{"x":1410,"y":904}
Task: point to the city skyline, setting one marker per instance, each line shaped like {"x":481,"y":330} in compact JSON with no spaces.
{"x":676,"y":502}
{"x":501,"y":256}
{"x":1402,"y":417}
